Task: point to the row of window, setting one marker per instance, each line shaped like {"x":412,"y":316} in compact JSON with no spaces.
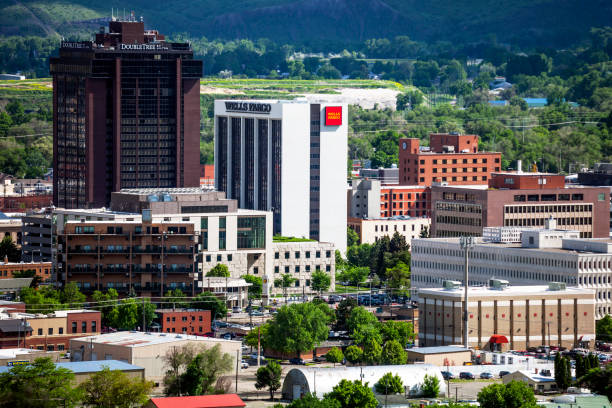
{"x":385,"y":228}
{"x":184,"y":318}
{"x":297,"y":268}
{"x":307,"y":254}
{"x":74,"y":327}
{"x":526,"y":209}
{"x":552,"y":197}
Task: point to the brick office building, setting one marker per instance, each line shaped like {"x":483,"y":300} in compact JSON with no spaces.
{"x":369,"y":199}
{"x":508,"y":318}
{"x":126,"y":113}
{"x":44,"y":270}
{"x":186,"y":321}
{"x":148,"y":258}
{"x":450,"y":158}
{"x":520,"y":200}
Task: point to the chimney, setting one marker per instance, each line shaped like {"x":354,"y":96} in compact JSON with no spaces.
{"x":5,"y":259}
{"x":519,"y":166}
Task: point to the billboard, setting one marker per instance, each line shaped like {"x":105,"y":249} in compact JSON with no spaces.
{"x":333,"y":115}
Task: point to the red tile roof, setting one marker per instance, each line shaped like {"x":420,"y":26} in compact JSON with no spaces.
{"x":203,"y":401}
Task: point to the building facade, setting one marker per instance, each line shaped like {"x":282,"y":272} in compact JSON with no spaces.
{"x":144,"y":257}
{"x":185,"y":321}
{"x":9,"y":270}
{"x":10,"y":227}
{"x":300,"y":260}
{"x":371,"y":199}
{"x":466,"y":211}
{"x":450,"y":158}
{"x":37,"y":238}
{"x":525,"y":316}
{"x":289,"y":158}
{"x":543,"y":256}
{"x":371,"y":230}
{"x":126,"y":113}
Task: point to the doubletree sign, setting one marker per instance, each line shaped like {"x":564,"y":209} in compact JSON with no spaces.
{"x":333,"y":115}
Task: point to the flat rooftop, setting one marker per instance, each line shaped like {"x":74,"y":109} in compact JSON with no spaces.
{"x":172,"y":190}
{"x":78,"y":367}
{"x":142,"y":339}
{"x":438,"y":350}
{"x":518,"y":245}
{"x":13,"y":352}
{"x":483,"y":291}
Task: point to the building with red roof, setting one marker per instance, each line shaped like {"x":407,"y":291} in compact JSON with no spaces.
{"x":201,"y":401}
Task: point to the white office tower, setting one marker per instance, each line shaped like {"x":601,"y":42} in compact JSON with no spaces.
{"x":288,"y":157}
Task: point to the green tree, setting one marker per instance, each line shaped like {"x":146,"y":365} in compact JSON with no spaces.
{"x":360,"y":316}
{"x":17,"y":112}
{"x":104,"y":302}
{"x":563,"y":375}
{"x":580,"y":366}
{"x":297,"y":328}
{"x":256,"y":285}
{"x":371,"y":352}
{"x":9,"y":250}
{"x":128,"y":314}
{"x":353,"y":354}
{"x":389,"y":384}
{"x":402,"y":332}
{"x":603,"y":328}
{"x":353,"y":394}
{"x":204,"y":370}
{"x":311,"y":401}
{"x":284,"y":282}
{"x":38,"y":385}
{"x":257,"y":336}
{"x":269,"y":376}
{"x":430,"y":387}
{"x":352,"y":238}
{"x":398,"y":277}
{"x":219,"y":271}
{"x":515,"y":394}
{"x":393,"y":353}
{"x":334,"y":356}
{"x":44,"y":300}
{"x":598,"y":380}
{"x":71,"y":296}
{"x":113,"y":388}
{"x":176,"y":297}
{"x":209,"y":301}
{"x":320,"y":281}
{"x":343,"y":312}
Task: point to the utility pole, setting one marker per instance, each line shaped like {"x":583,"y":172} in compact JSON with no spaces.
{"x":144,"y":321}
{"x":548,"y":324}
{"x":237,"y":360}
{"x":258,"y":346}
{"x":466,"y":244}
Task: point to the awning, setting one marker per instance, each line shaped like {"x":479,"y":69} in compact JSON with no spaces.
{"x":498,"y":339}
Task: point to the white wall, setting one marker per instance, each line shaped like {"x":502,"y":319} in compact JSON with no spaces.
{"x":334,"y":155}
{"x":295,"y":172}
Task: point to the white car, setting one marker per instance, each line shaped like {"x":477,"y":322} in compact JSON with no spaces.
{"x":244,"y":364}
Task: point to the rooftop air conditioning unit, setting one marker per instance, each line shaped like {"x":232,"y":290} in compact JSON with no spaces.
{"x":498,"y":284}
{"x":557,"y":286}
{"x":450,"y":284}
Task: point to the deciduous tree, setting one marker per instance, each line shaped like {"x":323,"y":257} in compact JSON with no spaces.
{"x":269,"y":376}
{"x":389,"y":384}
{"x":113,"y":388}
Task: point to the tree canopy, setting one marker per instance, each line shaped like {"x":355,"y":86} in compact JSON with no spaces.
{"x":297,"y":328}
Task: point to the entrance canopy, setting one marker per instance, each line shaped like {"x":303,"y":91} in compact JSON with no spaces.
{"x":498,"y":339}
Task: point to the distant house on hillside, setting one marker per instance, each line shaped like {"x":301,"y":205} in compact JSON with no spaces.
{"x":536,"y":102}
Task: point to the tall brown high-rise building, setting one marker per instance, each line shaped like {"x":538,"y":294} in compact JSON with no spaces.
{"x":126,"y":114}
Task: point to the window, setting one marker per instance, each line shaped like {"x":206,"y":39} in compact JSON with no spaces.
{"x":318,"y":254}
{"x":83,"y":327}
{"x":94,"y":325}
{"x":601,"y":197}
{"x":219,"y":257}
{"x":50,"y":331}
{"x":200,"y":319}
{"x":74,"y":327}
{"x":287,"y":255}
{"x":60,"y":330}
{"x":286,"y":269}
{"x":328,"y":268}
{"x":207,"y":258}
{"x":229,"y":257}
{"x":328,"y":254}
{"x":276,"y":255}
{"x":533,"y":197}
{"x":307,"y":254}
{"x":297,"y":269}
{"x":40,"y":331}
{"x":255,"y":270}
{"x":297,"y":255}
{"x":276,"y":269}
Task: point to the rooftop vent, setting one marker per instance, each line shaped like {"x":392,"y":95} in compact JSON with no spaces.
{"x":450,"y":285}
{"x":498,"y":284}
{"x":556,"y":286}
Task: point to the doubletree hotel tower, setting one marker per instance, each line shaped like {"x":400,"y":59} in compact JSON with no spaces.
{"x":126,"y":114}
{"x":288,"y":157}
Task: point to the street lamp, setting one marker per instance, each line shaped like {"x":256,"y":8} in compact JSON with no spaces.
{"x":466,"y":244}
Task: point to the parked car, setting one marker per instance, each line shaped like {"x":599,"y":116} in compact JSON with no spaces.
{"x":256,"y":313}
{"x":447,"y":375}
{"x":236,"y":309}
{"x":244,"y":364}
{"x":502,"y":373}
{"x":229,"y":336}
{"x":319,"y":359}
{"x":297,"y":361}
{"x":67,"y":355}
{"x":486,"y":376}
{"x":466,"y":375}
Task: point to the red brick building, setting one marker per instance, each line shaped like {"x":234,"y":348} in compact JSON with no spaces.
{"x":41,"y":269}
{"x":466,"y":211}
{"x":186,"y":321}
{"x":451,"y":158}
{"x":28,"y":202}
{"x":412,"y":201}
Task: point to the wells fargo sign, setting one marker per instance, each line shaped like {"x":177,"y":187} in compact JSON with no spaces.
{"x":333,"y":115}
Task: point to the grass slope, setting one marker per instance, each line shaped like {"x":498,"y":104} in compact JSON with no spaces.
{"x":316,"y":21}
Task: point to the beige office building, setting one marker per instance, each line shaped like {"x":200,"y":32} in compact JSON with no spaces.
{"x":145,"y":350}
{"x":371,"y":230}
{"x":503,"y":317}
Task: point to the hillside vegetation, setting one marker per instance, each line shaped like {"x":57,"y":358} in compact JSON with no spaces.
{"x":332,"y":22}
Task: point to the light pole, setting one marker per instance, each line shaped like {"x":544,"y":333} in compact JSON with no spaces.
{"x":466,"y":244}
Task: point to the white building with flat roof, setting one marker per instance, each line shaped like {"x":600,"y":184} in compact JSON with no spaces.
{"x":288,"y":157}
{"x":543,"y":256}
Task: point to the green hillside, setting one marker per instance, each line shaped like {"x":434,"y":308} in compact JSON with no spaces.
{"x":542,"y":23}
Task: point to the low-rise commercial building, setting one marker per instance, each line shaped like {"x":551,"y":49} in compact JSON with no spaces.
{"x":503,"y":317}
{"x":145,"y":349}
{"x":439,"y":356}
{"x":300,"y":258}
{"x":234,"y":291}
{"x":371,"y":230}
{"x":50,"y":332}
{"x":520,"y":200}
{"x":371,"y":199}
{"x":185,"y":321}
{"x":11,"y":357}
{"x":10,"y":227}
{"x":538,"y":383}
{"x":543,"y":256}
{"x":8,"y":270}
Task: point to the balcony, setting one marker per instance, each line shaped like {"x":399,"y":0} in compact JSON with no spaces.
{"x":93,"y":250}
{"x":185,"y":251}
